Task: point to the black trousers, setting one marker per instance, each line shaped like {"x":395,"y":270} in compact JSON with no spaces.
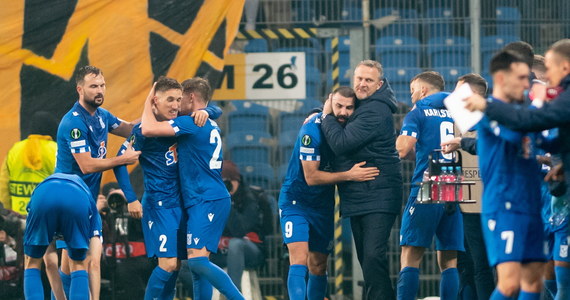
{"x":371,"y":233}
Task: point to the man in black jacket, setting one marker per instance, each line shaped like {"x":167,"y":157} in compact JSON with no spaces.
{"x":372,"y":206}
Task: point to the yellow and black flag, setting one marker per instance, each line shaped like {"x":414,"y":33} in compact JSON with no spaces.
{"x":42,"y":44}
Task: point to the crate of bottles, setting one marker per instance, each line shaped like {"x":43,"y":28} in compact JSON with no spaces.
{"x":443,"y":180}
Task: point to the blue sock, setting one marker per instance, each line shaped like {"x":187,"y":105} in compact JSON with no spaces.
{"x":216,"y":276}
{"x":523,"y":295}
{"x":296,"y":282}
{"x":170,"y":287}
{"x":79,"y":287}
{"x":549,"y":289}
{"x":449,"y":284}
{"x":497,"y":295}
{"x":33,"y":288}
{"x":65,"y":282}
{"x":156,"y":283}
{"x":202,"y":287}
{"x":562,"y":282}
{"x":316,"y":287}
{"x":408,"y":283}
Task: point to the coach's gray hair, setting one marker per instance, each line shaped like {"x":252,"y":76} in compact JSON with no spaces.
{"x":372,"y":64}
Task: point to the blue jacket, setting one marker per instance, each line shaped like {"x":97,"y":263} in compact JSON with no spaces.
{"x":370,"y":136}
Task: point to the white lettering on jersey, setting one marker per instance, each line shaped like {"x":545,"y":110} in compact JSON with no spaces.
{"x":101,"y":123}
{"x":564,"y":251}
{"x":491,"y":224}
{"x":189,"y":239}
{"x":210,"y":216}
{"x":77,"y":143}
{"x":307,"y":150}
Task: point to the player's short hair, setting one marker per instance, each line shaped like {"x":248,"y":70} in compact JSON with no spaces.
{"x":503,"y":60}
{"x":345,"y":91}
{"x":538,"y":63}
{"x":83,"y":71}
{"x":432,"y":78}
{"x":476,"y":82}
{"x":198,"y":85}
{"x":523,"y":49}
{"x":372,"y":64}
{"x":164,"y":84}
{"x":562,"y":48}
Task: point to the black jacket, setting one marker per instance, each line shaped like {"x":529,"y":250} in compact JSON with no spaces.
{"x":369,"y":135}
{"x":552,"y":114}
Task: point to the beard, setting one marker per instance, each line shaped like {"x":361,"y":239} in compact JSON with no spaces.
{"x":96,"y":101}
{"x":342,"y":119}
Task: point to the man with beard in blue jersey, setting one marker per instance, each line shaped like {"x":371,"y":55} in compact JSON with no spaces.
{"x":205,"y":197}
{"x":306,"y":202}
{"x":68,"y":211}
{"x":511,"y":218}
{"x":424,"y":128}
{"x":161,"y":210}
{"x":82,"y":150}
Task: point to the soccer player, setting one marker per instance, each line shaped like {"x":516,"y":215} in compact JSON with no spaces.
{"x":306,"y":201}
{"x":68,"y":211}
{"x":161,"y":209}
{"x":82,"y":150}
{"x":424,"y":128}
{"x":205,"y":197}
{"x":511,"y":219}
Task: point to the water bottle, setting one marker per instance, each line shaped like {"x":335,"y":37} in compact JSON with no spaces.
{"x":435,"y":192}
{"x":424,"y":188}
{"x":560,"y":210}
{"x":459,"y":187}
{"x":449,"y":189}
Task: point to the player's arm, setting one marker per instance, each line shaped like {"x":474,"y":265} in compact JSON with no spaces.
{"x":88,"y":164}
{"x":150,"y":126}
{"x":406,"y":147}
{"x":314,"y":176}
{"x":124,"y":129}
{"x":202,"y":115}
{"x":122,"y":175}
{"x":5,"y":185}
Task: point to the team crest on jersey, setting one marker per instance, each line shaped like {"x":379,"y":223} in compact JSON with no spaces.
{"x":101,"y":123}
{"x":132,"y":139}
{"x":171,"y":155}
{"x":306,"y":140}
{"x":189,"y":239}
{"x":102,"y":150}
{"x":75,"y":133}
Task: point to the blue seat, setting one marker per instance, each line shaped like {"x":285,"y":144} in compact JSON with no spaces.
{"x":449,"y":51}
{"x":256,"y":45}
{"x":406,"y":24}
{"x":399,"y":79}
{"x":351,"y":11}
{"x":438,"y":22}
{"x":508,"y":21}
{"x":248,"y":116}
{"x":286,"y":144}
{"x":259,"y":174}
{"x":291,"y":120}
{"x":401,"y":51}
{"x":450,"y":75}
{"x":491,"y":44}
{"x":343,"y":44}
{"x":251,"y":146}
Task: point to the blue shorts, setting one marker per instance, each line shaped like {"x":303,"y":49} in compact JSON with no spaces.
{"x":59,"y":206}
{"x":164,"y":231}
{"x":206,"y":223}
{"x":420,"y":222}
{"x":558,"y":242}
{"x":96,"y":229}
{"x":513,"y":237}
{"x":301,"y":224}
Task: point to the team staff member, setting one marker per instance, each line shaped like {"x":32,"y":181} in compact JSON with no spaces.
{"x":67,"y":211}
{"x":424,"y":127}
{"x":306,"y":202}
{"x":204,"y":194}
{"x":553,"y":114}
{"x":82,"y":150}
{"x":372,"y":207}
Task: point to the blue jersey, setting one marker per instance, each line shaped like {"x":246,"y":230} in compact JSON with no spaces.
{"x":509,"y":170}
{"x":430,"y":123}
{"x":159,"y":162}
{"x":311,"y":145}
{"x":200,"y":161}
{"x":80,"y":132}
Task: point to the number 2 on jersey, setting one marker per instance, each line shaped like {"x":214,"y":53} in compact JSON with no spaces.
{"x":215,"y":138}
